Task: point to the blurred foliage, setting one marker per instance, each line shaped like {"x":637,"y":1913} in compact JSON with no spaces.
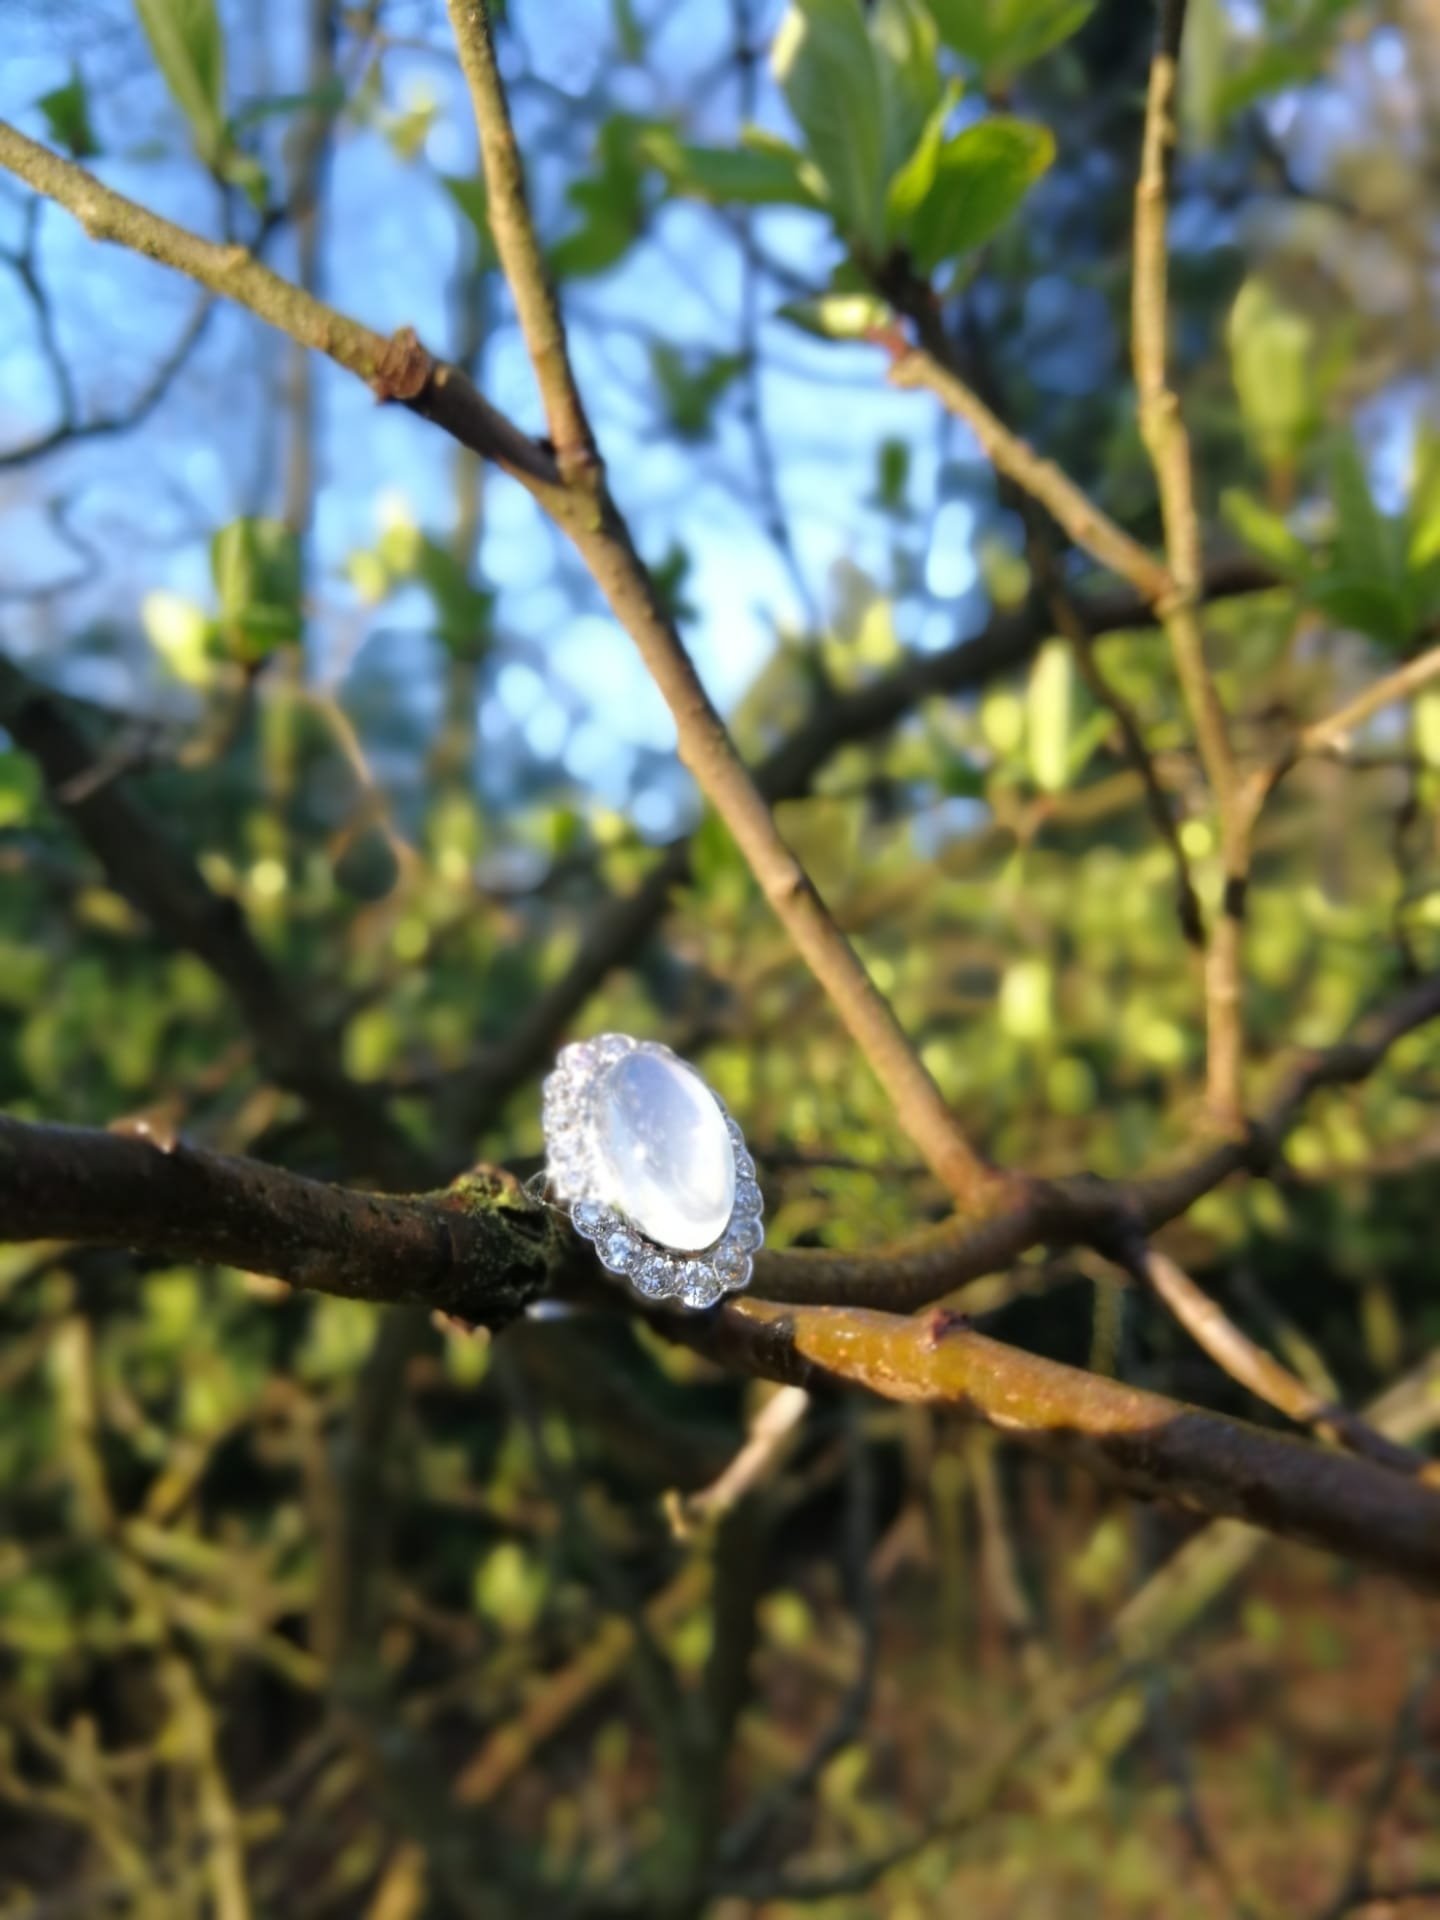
{"x":361,"y":713}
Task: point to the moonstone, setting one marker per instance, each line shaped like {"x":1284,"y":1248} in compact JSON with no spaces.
{"x":665,"y":1157}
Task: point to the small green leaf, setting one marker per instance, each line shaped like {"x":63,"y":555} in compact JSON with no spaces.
{"x":256,"y":568}
{"x":981,"y":176}
{"x":468,"y":193}
{"x":905,"y":48}
{"x":1364,"y":604}
{"x":1271,"y":362}
{"x":611,"y":203}
{"x":327,"y":99}
{"x":67,"y":115}
{"x":691,"y":385}
{"x":1423,"y":511}
{"x":189,"y":48}
{"x":825,"y":64}
{"x":838,"y":316}
{"x":1049,"y":701}
{"x":1001,"y":36}
{"x":1368,"y":543}
{"x":1264,"y":531}
{"x":629,"y":35}
{"x":754,"y":175}
{"x":911,"y":182}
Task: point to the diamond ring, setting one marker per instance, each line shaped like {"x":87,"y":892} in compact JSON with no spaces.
{"x":654,"y":1169}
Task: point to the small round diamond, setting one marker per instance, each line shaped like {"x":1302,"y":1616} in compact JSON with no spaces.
{"x":589,"y":1217}
{"x":748,"y":1198}
{"x":657,"y":1276}
{"x":734,"y":1267}
{"x":702,"y":1285}
{"x":744,"y":1165}
{"x":747,"y":1234}
{"x":620,"y":1251}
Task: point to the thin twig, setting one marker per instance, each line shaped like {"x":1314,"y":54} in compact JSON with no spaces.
{"x":1262,"y":1374}
{"x":1162,"y":428}
{"x":772,"y":1435}
{"x":1072,"y":625}
{"x":1072,"y":510}
{"x":517,"y":244}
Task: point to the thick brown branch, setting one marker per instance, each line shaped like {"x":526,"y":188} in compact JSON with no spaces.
{"x":1154,"y":1446}
{"x":478,"y":1249}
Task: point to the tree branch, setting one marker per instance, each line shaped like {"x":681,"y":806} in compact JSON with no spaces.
{"x":1088,"y":526}
{"x":516,"y":242}
{"x":1153,"y":1446}
{"x":1261,"y":1373}
{"x":478,"y":1250}
{"x":1163,"y":430}
{"x":398,"y":369}
{"x":583,"y":509}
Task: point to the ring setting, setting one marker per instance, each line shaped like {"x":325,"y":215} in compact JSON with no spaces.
{"x":654,"y":1169}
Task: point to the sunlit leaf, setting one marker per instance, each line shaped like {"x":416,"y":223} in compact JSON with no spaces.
{"x":1264,"y":531}
{"x":189,"y":47}
{"x":824,"y":62}
{"x":756,"y":175}
{"x":256,"y":568}
{"x":981,"y":176}
{"x":1272,"y":355}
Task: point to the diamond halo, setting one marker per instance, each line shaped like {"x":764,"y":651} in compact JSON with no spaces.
{"x":582,"y":1173}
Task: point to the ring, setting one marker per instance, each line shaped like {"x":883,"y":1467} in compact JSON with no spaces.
{"x":654,"y":1170}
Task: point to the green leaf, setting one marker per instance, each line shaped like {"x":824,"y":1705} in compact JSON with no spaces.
{"x":905,"y":48}
{"x":327,"y":99}
{"x":1264,"y":531}
{"x":1001,"y":36}
{"x":1368,"y":544}
{"x":1202,"y":71}
{"x":67,"y":115}
{"x":189,"y":49}
{"x":1049,"y":702}
{"x":1271,"y":362}
{"x":468,"y":193}
{"x":256,"y":568}
{"x":611,"y":203}
{"x":691,"y":385}
{"x":838,"y":316}
{"x":825,"y":64}
{"x":981,"y":177}
{"x":1423,"y":512}
{"x":1364,"y":604}
{"x":629,"y":35}
{"x":911,"y":182}
{"x":754,"y":175}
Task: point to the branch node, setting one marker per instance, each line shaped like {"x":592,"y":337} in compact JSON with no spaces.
{"x":403,"y":369}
